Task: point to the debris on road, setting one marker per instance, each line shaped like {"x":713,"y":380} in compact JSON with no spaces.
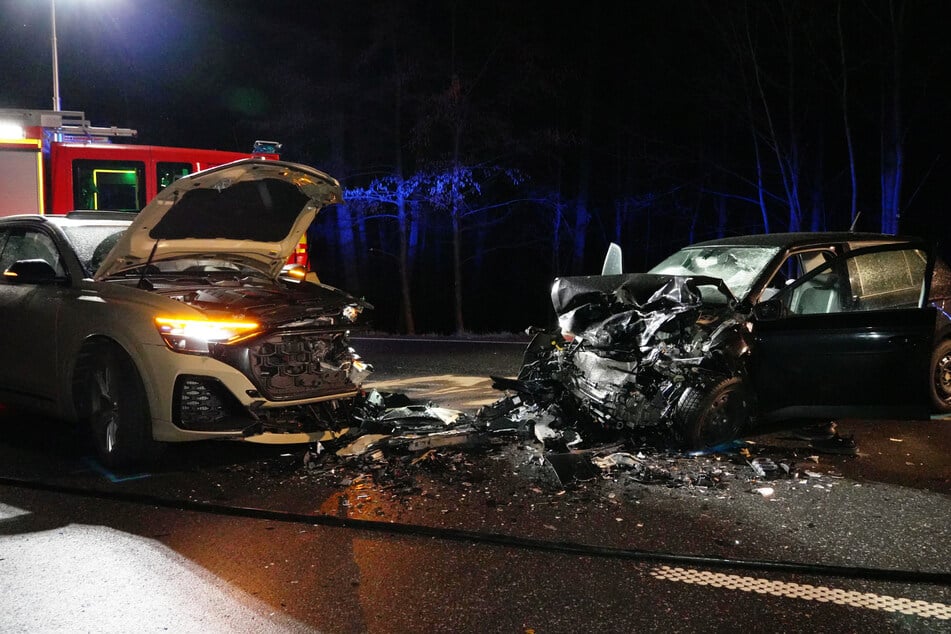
{"x":392,"y":444}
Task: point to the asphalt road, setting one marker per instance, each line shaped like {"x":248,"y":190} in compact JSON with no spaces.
{"x":231,"y":537}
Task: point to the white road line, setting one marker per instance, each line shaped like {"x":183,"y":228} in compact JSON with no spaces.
{"x":821,"y":594}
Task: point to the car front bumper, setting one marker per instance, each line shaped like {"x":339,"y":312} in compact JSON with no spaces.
{"x":195,"y":397}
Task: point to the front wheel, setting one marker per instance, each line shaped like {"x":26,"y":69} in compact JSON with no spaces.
{"x":706,"y":418}
{"x":940,"y":388}
{"x":118,"y":410}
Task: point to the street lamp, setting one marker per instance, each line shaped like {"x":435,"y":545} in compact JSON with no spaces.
{"x":56,"y":102}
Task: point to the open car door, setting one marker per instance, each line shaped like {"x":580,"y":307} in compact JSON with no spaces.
{"x":851,"y":338}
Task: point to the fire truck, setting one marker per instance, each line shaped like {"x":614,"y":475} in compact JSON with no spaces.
{"x":54,"y":162}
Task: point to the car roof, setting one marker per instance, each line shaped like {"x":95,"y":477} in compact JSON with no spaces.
{"x":78,"y":218}
{"x":801,"y":239}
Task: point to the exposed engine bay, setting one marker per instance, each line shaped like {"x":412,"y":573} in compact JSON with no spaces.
{"x":633,"y":351}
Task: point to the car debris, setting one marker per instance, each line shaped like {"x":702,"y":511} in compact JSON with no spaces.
{"x":393,"y":445}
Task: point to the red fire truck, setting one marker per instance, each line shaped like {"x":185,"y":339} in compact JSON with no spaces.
{"x":55,"y":162}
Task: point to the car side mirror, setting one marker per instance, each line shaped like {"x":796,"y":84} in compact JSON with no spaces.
{"x":30,"y":272}
{"x":769,"y":310}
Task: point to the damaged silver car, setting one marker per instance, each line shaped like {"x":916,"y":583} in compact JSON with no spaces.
{"x":725,"y":337}
{"x":178,"y":323}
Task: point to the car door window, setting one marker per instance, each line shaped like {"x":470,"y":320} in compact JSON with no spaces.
{"x":29,"y":244}
{"x":886,"y":280}
{"x":878,"y":278}
{"x":794,"y":267}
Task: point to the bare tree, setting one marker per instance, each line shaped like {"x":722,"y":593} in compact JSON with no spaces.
{"x":892,"y":132}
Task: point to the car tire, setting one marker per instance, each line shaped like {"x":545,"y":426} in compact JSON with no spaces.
{"x":117,"y":409}
{"x":940,"y":385}
{"x":706,"y":418}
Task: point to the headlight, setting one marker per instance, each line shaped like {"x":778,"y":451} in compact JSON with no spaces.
{"x":194,"y":335}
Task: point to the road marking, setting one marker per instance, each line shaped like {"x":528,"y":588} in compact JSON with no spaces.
{"x":821,"y":594}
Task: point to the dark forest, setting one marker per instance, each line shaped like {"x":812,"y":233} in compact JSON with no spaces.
{"x":487,"y":147}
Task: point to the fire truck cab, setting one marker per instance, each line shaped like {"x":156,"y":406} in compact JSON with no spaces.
{"x":54,"y":162}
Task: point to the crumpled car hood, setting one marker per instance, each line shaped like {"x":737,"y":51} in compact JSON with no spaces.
{"x":633,"y":345}
{"x":601,"y":308}
{"x":252,"y":208}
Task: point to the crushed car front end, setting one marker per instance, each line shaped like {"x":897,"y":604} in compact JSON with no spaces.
{"x":293,"y":375}
{"x":634,"y":352}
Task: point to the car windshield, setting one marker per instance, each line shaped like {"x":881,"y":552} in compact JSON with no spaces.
{"x":738,"y":267}
{"x":93,"y":242}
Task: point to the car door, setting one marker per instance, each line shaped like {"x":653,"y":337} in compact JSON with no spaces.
{"x":851,"y":338}
{"x":29,"y":315}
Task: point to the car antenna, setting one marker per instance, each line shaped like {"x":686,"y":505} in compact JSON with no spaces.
{"x":855,"y":221}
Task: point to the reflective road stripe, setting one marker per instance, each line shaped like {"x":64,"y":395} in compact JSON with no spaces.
{"x":806,"y":592}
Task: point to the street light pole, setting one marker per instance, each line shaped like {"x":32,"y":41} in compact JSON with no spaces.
{"x":56,"y":102}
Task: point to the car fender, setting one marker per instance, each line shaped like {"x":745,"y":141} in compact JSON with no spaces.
{"x":119,"y":314}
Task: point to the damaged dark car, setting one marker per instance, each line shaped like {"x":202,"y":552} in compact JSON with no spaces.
{"x":733,"y":336}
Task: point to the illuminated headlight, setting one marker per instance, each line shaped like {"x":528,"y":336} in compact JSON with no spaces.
{"x":194,"y":335}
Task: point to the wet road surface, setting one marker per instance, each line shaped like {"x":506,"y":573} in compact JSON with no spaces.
{"x":237,"y":537}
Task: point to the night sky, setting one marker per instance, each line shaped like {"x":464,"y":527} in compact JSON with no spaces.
{"x":643,"y":121}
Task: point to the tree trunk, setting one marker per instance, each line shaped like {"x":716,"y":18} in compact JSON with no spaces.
{"x":892,"y":147}
{"x":853,"y":206}
{"x":582,"y":213}
{"x":402,"y":212}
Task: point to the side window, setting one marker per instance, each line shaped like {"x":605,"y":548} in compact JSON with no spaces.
{"x":168,"y":173}
{"x":28,"y":244}
{"x":879,"y":280}
{"x":4,"y":264}
{"x":794,"y":267}
{"x":109,"y":185}
{"x":887,"y":280}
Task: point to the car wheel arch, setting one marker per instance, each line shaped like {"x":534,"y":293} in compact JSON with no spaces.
{"x":119,"y":420}
{"x":939,"y":376}
{"x":78,"y":371}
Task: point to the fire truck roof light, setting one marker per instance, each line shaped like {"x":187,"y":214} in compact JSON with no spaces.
{"x":266,"y":147}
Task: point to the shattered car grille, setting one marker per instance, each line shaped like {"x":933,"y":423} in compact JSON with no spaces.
{"x":302,"y":365}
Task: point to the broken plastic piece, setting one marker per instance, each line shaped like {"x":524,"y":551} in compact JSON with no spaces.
{"x":619,"y":459}
{"x":836,"y":445}
{"x":361,"y":445}
{"x":765,"y":467}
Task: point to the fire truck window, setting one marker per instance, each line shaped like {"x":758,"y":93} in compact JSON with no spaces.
{"x":109,"y":185}
{"x":168,"y":173}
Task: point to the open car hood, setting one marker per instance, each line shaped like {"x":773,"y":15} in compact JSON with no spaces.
{"x":254,"y":209}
